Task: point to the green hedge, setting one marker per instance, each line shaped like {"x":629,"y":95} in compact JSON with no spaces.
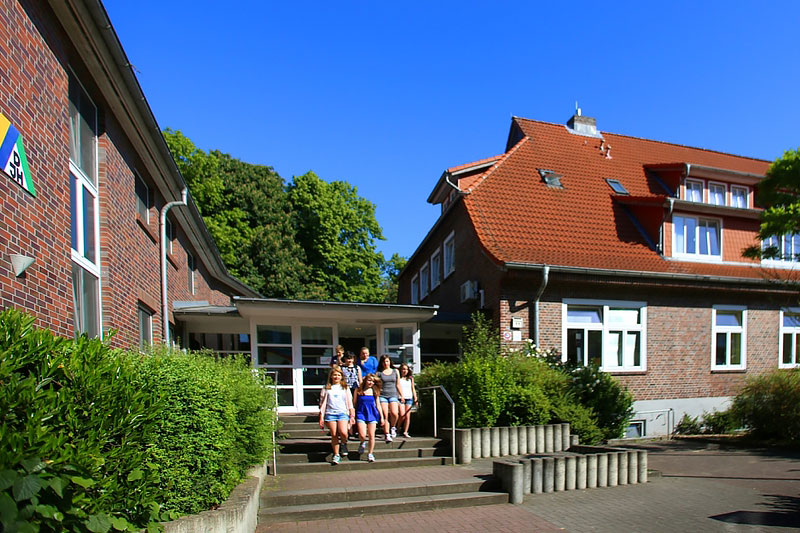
{"x":769,"y":406}
{"x":494,"y":388}
{"x":89,"y":439}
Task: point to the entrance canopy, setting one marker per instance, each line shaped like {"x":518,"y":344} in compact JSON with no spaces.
{"x":295,"y":339}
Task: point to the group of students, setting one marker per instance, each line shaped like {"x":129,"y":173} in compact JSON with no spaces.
{"x":360,"y":395}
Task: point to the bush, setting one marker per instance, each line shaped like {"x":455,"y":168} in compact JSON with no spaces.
{"x":688,"y":425}
{"x":611,"y":403}
{"x":769,"y":406}
{"x":719,"y":422}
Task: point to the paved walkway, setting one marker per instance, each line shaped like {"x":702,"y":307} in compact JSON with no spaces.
{"x":703,"y":488}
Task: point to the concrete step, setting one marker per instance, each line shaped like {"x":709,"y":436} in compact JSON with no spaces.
{"x":346,"y":464}
{"x":272,"y":499}
{"x":289,"y":427}
{"x":299,"y":418}
{"x":380,"y":453}
{"x":321,"y":443}
{"x":381,"y":506}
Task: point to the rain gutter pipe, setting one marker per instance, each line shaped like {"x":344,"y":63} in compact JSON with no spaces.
{"x":162,"y":230}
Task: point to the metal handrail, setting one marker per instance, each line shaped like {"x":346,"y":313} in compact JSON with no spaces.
{"x":453,"y":417}
{"x":274,"y":431}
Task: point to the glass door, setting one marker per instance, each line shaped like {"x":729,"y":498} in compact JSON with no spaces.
{"x":273,"y":351}
{"x":316,"y":350}
{"x":401,"y":343}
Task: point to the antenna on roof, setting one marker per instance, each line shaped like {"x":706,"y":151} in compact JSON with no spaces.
{"x":577,"y":109}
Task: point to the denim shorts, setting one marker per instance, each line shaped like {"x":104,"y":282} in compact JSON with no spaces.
{"x":362,"y":421}
{"x":390,"y":399}
{"x":408,"y":402}
{"x":336,"y":418}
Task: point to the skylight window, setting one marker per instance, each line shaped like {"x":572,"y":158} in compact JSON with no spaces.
{"x":618,"y":187}
{"x":550,"y":177}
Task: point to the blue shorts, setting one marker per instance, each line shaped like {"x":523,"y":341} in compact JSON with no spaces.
{"x":336,"y":418}
{"x":390,"y":399}
{"x":362,"y":421}
{"x":408,"y":402}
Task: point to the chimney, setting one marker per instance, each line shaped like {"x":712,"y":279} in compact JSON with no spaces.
{"x":583,"y":125}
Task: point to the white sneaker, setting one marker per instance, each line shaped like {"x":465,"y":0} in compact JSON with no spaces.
{"x":343,"y":449}
{"x":394,"y":432}
{"x":388,"y":439}
{"x":362,"y":447}
{"x":406,"y":435}
{"x":336,"y":459}
{"x":371,"y":458}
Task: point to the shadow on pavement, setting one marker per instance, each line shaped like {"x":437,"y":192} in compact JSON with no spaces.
{"x":785,"y":513}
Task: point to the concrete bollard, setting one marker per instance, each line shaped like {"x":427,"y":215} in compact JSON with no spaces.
{"x":570,"y":476}
{"x":642,"y":466}
{"x":633,"y":467}
{"x":522,"y":440}
{"x":602,"y":470}
{"x":574,"y":440}
{"x":613,"y":469}
{"x":623,"y":468}
{"x":513,"y":441}
{"x":494,"y":433}
{"x":565,"y":437}
{"x":527,"y":473}
{"x":503,"y":441}
{"x":464,"y":446}
{"x":531,"y":430}
{"x":591,"y":471}
{"x":549,"y":477}
{"x":537,"y":476}
{"x":548,"y":438}
{"x":486,"y":443}
{"x":558,"y":445}
{"x":561,"y":474}
{"x":540,"y":439}
{"x":476,"y":443}
{"x":515,"y":489}
{"x":580,"y":482}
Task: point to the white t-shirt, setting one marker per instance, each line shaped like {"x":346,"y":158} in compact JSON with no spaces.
{"x":405,"y":388}
{"x":337,"y":401}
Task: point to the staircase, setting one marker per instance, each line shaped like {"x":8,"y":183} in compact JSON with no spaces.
{"x":310,"y":488}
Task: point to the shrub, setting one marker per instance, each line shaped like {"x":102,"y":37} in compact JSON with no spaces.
{"x":688,"y":425}
{"x":718,"y":422}
{"x":611,"y":403}
{"x":769,"y":405}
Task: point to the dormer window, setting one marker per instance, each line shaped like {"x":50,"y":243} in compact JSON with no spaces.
{"x":550,"y":178}
{"x":696,"y":237}
{"x":739,"y":197}
{"x":716,"y":194}
{"x":694,"y":190}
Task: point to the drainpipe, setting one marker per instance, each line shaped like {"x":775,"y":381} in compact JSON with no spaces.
{"x":542,"y":287}
{"x":661,"y":244}
{"x":162,"y":230}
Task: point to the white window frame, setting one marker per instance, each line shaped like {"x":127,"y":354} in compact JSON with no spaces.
{"x":169,"y":228}
{"x":145,"y":317}
{"x":415,"y":290}
{"x":191,"y":268}
{"x":746,"y":191}
{"x":687,"y":189}
{"x":449,"y":258}
{"x":607,"y":330}
{"x":696,"y":255}
{"x":424,"y":281}
{"x":436,"y":268}
{"x":780,"y":242}
{"x":142,"y":204}
{"x":728,"y":330}
{"x":794,"y":333}
{"x":84,"y":184}
{"x":716,"y":184}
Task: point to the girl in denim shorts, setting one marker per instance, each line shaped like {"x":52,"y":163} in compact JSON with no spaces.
{"x":336,"y":410}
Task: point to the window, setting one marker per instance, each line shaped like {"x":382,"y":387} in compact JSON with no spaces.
{"x":190,"y":269}
{"x":739,"y":197}
{"x":696,"y":236}
{"x":169,"y":229}
{"x":145,"y":327}
{"x":790,"y":338}
{"x":694,"y":190}
{"x":415,"y":290}
{"x":716,"y":194}
{"x":609,"y":334}
{"x":142,"y":199}
{"x":424,"y":279}
{"x":449,"y":254}
{"x":783,"y":248}
{"x":436,"y":269}
{"x":84,"y":216}
{"x":274,"y":352}
{"x":616,"y":186}
{"x":728,"y":333}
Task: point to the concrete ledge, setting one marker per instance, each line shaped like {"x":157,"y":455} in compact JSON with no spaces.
{"x":238,"y":514}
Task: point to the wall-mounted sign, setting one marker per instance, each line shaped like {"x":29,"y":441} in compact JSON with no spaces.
{"x":12,"y":156}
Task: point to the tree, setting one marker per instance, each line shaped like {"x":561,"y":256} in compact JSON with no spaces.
{"x":391,"y":270}
{"x":247,"y":212}
{"x":779,"y":192}
{"x":337,"y":229}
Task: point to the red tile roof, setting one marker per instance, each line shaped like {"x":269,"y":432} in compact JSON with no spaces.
{"x":520,"y":219}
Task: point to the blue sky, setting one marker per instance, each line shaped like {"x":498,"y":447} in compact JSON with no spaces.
{"x":387,"y":95}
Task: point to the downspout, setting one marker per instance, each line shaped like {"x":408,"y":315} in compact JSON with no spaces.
{"x":542,"y":287}
{"x":453,"y":185}
{"x":661,"y":227}
{"x":162,"y":230}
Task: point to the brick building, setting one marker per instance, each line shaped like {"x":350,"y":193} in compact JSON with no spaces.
{"x":613,"y":249}
{"x":97,"y":173}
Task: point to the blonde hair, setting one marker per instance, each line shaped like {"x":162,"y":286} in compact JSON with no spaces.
{"x":335,"y":369}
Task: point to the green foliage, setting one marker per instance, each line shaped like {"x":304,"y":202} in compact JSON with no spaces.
{"x":391,"y":270}
{"x":779,"y":193}
{"x":612,"y":404}
{"x":719,"y":422}
{"x":769,"y":406}
{"x":337,"y":229}
{"x":89,"y":434}
{"x":688,"y":425}
{"x":492,"y":388}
